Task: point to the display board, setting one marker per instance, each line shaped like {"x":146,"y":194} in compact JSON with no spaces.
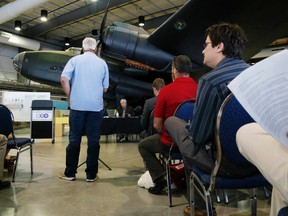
{"x":20,"y":103}
{"x":42,"y":119}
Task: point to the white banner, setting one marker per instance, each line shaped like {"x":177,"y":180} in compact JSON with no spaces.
{"x":42,"y":115}
{"x":20,"y":103}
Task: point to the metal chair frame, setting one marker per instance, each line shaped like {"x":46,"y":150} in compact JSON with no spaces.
{"x":19,"y":144}
{"x":209,"y":184}
{"x":175,"y":155}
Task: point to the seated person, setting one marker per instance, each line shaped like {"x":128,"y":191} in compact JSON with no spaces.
{"x":196,"y":143}
{"x":270,"y":157}
{"x":182,"y":88}
{"x":124,"y":110}
{"x":146,"y":120}
{"x":3,"y":146}
{"x":9,"y":159}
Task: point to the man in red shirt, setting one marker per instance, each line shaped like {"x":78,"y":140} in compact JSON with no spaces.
{"x":170,"y":96}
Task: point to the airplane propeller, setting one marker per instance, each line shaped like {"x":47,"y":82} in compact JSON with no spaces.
{"x":135,"y":58}
{"x":101,"y":30}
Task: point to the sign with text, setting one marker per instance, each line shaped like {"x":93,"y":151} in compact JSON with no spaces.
{"x":20,"y":103}
{"x":42,"y":115}
{"x":263,"y":92}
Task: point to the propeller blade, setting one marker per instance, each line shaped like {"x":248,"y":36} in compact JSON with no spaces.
{"x":101,"y":31}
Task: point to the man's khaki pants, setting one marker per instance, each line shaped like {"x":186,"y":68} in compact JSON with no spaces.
{"x":3,"y":146}
{"x":270,"y":157}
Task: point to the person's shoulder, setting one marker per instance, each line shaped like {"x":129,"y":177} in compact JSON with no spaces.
{"x":190,"y":80}
{"x":226,"y":70}
{"x":167,"y":87}
{"x":99,"y":59}
{"x":149,"y":103}
{"x":151,"y":100}
{"x":229,"y":64}
{"x":75,"y":58}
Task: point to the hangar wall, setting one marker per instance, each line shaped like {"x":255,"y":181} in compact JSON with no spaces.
{"x":7,"y":71}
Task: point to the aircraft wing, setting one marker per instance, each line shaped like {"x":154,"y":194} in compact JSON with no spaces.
{"x":184,"y":32}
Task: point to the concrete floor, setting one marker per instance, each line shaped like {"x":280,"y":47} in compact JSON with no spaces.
{"x":115,"y":193}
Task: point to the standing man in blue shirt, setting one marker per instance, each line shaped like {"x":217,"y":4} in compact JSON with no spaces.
{"x":222,"y":52}
{"x":84,"y":79}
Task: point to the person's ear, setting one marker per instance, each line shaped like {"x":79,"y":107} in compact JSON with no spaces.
{"x":220,"y":47}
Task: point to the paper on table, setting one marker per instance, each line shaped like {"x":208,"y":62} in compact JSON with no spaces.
{"x":263,"y":92}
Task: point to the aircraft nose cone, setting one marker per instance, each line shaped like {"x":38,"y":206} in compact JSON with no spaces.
{"x":18,"y":60}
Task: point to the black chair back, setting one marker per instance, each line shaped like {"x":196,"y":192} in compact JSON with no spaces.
{"x":230,"y":118}
{"x":283,"y":211}
{"x":6,"y":121}
{"x":185,"y":110}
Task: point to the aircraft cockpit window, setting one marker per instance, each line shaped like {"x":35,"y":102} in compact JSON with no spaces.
{"x":53,"y":68}
{"x":74,"y":50}
{"x":56,"y":68}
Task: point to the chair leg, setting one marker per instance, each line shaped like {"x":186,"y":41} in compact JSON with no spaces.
{"x":168,"y":177}
{"x":191,"y":195}
{"x":31,"y":159}
{"x":209,"y":206}
{"x":218,"y":198}
{"x":205,"y":194}
{"x":267,"y":193}
{"x":225,"y":194}
{"x":15,"y":165}
{"x":253,"y":201}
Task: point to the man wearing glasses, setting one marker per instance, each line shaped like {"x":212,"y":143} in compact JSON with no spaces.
{"x":222,"y":52}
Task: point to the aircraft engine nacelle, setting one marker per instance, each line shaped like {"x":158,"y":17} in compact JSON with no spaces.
{"x":123,"y":41}
{"x":42,"y":66}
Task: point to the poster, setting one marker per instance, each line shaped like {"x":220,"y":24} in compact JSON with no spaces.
{"x":20,"y":103}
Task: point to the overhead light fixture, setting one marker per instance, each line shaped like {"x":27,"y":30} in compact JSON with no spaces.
{"x":44,"y":15}
{"x":18,"y":24}
{"x":67,"y":41}
{"x":141,"y":21}
{"x":94,"y":32}
{"x":6,"y":34}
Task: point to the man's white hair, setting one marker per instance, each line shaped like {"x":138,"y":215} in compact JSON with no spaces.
{"x":123,"y":100}
{"x":89,"y":43}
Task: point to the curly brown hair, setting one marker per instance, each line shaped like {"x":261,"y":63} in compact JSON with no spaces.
{"x":231,"y":35}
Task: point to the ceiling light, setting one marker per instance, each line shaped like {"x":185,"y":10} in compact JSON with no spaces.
{"x":18,"y":25}
{"x":141,"y":21}
{"x":67,"y":41}
{"x":44,"y":15}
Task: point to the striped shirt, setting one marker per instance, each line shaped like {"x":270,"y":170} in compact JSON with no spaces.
{"x":212,"y":90}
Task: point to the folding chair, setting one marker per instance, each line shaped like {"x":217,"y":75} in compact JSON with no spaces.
{"x":19,"y":144}
{"x":184,"y":111}
{"x":231,"y":117}
{"x":283,"y":211}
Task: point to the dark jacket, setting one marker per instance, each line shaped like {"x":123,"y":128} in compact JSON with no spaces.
{"x":128,"y":110}
{"x":147,"y":119}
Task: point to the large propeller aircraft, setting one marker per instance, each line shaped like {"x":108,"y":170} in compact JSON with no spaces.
{"x":135,"y":58}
